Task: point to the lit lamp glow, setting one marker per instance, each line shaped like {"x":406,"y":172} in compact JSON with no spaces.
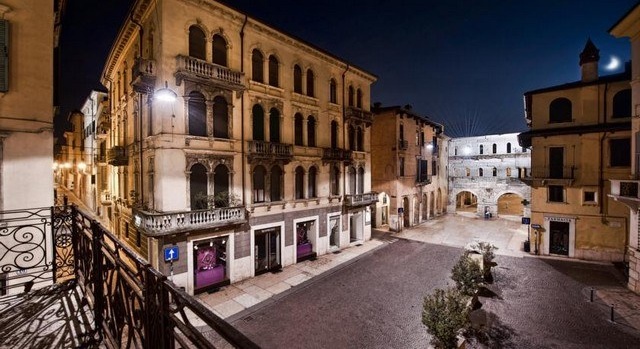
{"x":466,"y":150}
{"x":430,"y":146}
{"x":165,"y":94}
{"x":82,"y":166}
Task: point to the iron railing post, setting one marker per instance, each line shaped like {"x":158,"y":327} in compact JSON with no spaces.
{"x":54,"y":251}
{"x":75,"y":238}
{"x":98,"y":283}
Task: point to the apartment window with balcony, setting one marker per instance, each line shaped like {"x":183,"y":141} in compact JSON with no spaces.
{"x":274,"y":125}
{"x":352,"y":180}
{"x":221,"y":180}
{"x":276,"y":183}
{"x":359,"y":139}
{"x":259,"y":180}
{"x":620,"y":152}
{"x":334,"y":134}
{"x":560,"y":110}
{"x":333,"y":91}
{"x":274,"y":69}
{"x":335,"y":180}
{"x":198,"y":187}
{"x":361,"y":180}
{"x":311,"y":184}
{"x":555,"y":193}
{"x":219,"y":53}
{"x":352,"y":136}
{"x":258,"y":123}
{"x":311,"y":131}
{"x":622,"y":104}
{"x":351,"y":96}
{"x":298,"y":132}
{"x":401,"y":166}
{"x":297,"y":79}
{"x":257,"y":66}
{"x":359,"y":98}
{"x":197,"y":43}
{"x":197,"y":114}
{"x":299,"y":183}
{"x":310,"y":83}
{"x":220,"y":117}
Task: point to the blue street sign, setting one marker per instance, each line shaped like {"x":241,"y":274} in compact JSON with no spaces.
{"x":171,"y":253}
{"x":536,"y":226}
{"x":526,"y":220}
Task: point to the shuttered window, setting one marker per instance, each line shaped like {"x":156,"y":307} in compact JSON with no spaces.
{"x":4,"y":55}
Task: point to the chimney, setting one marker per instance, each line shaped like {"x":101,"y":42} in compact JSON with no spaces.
{"x":589,"y":58}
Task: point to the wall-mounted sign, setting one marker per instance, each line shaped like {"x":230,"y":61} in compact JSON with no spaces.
{"x":171,"y":253}
{"x":526,"y":220}
{"x":536,"y":226}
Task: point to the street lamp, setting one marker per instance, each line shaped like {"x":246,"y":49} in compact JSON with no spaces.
{"x":165,"y":94}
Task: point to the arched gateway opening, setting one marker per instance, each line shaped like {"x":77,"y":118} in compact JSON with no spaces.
{"x":466,"y":201}
{"x":510,"y":204}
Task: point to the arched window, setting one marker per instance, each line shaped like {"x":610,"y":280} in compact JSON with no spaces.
{"x":297,"y":125}
{"x":334,"y":134}
{"x":198,"y":187}
{"x":508,"y":171}
{"x":257,"y":69}
{"x":495,"y":148}
{"x":495,"y":172}
{"x":480,"y":172}
{"x":333,"y":91}
{"x":467,"y":171}
{"x":220,"y":117}
{"x":221,"y":185}
{"x":401,"y":132}
{"x":351,"y":96}
{"x":359,"y":139}
{"x":360,"y":181}
{"x":352,"y":136}
{"x":197,"y":43}
{"x":310,"y":82}
{"x":560,"y":110}
{"x":219,"y":54}
{"x":622,"y":104}
{"x":359,"y":98}
{"x":311,"y":131}
{"x":299,"y":183}
{"x":481,"y":149}
{"x":276,"y":183}
{"x":352,"y":180}
{"x":259,"y":179}
{"x":258,"y":123}
{"x":335,"y":180}
{"x":274,"y":125}
{"x":197,"y":114}
{"x":274,"y":68}
{"x":297,"y":79}
{"x":508,"y":148}
{"x":311,"y":184}
{"x":455,"y":151}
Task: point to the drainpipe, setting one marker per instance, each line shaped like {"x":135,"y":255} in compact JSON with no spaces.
{"x":344,"y":139}
{"x":242,"y":145}
{"x":140,"y":140}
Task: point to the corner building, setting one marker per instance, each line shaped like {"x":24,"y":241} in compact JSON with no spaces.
{"x":409,"y":167}
{"x":580,"y":140}
{"x":260,"y":161}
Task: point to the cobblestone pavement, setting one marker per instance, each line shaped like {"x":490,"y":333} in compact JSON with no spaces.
{"x":375,"y":302}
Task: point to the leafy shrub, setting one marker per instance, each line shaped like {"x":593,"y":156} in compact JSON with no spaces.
{"x":487,"y":250}
{"x":445,"y":313}
{"x":467,"y":275}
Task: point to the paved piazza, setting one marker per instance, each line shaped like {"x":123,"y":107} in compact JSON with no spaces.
{"x":375,"y":301}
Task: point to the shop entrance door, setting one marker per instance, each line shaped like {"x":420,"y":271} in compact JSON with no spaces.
{"x":559,"y":238}
{"x":267,"y":250}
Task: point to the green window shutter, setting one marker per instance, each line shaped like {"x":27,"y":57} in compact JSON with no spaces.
{"x":4,"y":55}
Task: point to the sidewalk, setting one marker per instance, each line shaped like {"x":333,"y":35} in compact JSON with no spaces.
{"x":233,"y":301}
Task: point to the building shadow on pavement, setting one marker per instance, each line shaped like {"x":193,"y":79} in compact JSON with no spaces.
{"x":56,"y":316}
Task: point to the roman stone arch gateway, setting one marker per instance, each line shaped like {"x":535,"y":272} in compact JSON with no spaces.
{"x":496,"y":201}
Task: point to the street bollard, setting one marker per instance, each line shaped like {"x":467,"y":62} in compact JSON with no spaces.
{"x":591,"y":295}
{"x":612,"y":319}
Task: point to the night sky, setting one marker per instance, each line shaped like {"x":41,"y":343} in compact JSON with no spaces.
{"x":463,"y":63}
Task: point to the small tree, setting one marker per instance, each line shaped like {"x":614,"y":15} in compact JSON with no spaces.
{"x":467,"y":275}
{"x":445,"y":313}
{"x":488,"y":255}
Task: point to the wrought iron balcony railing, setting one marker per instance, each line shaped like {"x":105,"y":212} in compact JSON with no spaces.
{"x":117,"y":156}
{"x":358,"y":115}
{"x":403,"y":144}
{"x":365,"y":199}
{"x":128,"y":303}
{"x":334,"y":154}
{"x":175,"y":222}
{"x":203,"y":71}
{"x":261,"y":150}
